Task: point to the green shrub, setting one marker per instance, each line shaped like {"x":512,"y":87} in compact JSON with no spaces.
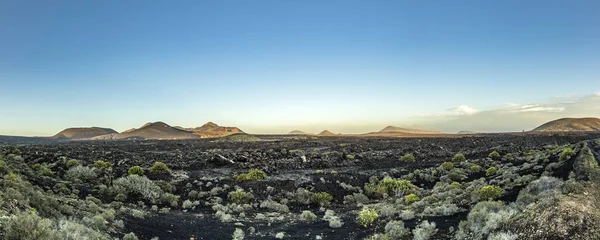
{"x":490,"y":192}
{"x":102,"y":165}
{"x":424,"y":231}
{"x":320,"y":171}
{"x":349,"y":156}
{"x":130,"y":236}
{"x":42,"y":169}
{"x":28,"y":226}
{"x":239,"y":196}
{"x":72,"y":163}
{"x":484,"y":219}
{"x":134,"y":185}
{"x":475,"y":168}
{"x":491,"y":171}
{"x":389,"y":186}
{"x":3,"y":166}
{"x":494,"y":155}
{"x":160,"y":167}
{"x":459,"y":157}
{"x":408,"y":158}
{"x":566,"y":154}
{"x":81,"y":173}
{"x":366,"y":217}
{"x":509,"y":156}
{"x":333,"y":172}
{"x":447,"y":165}
{"x":307,"y":216}
{"x":252,"y":175}
{"x":321,"y":199}
{"x":396,"y":230}
{"x":411,"y":198}
{"x":136,"y":170}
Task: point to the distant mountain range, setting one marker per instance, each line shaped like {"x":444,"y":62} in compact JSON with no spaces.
{"x":151,"y":130}
{"x":156,"y":130}
{"x":161,"y":130}
{"x":570,"y":124}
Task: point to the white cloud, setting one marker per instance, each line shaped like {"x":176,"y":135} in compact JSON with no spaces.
{"x":464,"y":110}
{"x":513,"y":116}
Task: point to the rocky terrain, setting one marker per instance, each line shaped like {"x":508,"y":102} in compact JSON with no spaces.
{"x":494,"y":186}
{"x":570,"y":124}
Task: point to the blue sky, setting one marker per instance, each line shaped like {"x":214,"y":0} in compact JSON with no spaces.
{"x":274,"y":66}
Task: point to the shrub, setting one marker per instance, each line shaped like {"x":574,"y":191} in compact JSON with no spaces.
{"x":81,"y":173}
{"x":396,"y":230}
{"x":544,"y":191}
{"x":274,"y":206}
{"x":475,"y":168}
{"x":378,"y":236}
{"x":566,"y":154}
{"x":138,"y":185}
{"x":349,"y":156}
{"x":491,"y":171}
{"x":320,"y":171}
{"x":28,"y":226}
{"x":407,"y":158}
{"x":238,"y":234}
{"x":355,"y":198}
{"x":72,"y":163}
{"x":280,"y":235}
{"x":447,"y":165}
{"x":3,"y":166}
{"x":424,"y":231}
{"x":459,"y":157}
{"x":308,"y":216}
{"x":160,"y":167}
{"x":509,"y":156}
{"x":239,"y":196}
{"x":494,"y":155}
{"x":321,"y":199}
{"x":390,"y":186}
{"x":102,"y":165}
{"x":252,"y":175}
{"x":42,"y":169}
{"x":490,"y":192}
{"x":411,"y":198}
{"x":130,"y":236}
{"x":334,"y":221}
{"x":484,"y":218}
{"x":366,"y":217}
{"x":136,"y":170}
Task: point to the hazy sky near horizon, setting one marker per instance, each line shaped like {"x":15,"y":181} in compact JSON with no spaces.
{"x":274,"y":66}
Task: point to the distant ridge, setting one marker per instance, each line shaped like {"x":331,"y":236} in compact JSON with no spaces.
{"x":466,"y":132}
{"x":570,"y":124}
{"x":83,"y":133}
{"x":297,"y":132}
{"x":326,"y":133}
{"x":156,"y":130}
{"x":392,"y":129}
{"x":211,"y":129}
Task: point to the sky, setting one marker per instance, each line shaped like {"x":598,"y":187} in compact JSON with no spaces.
{"x":275,"y":66}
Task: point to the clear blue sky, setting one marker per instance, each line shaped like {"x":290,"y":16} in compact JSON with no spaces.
{"x":273,"y":66}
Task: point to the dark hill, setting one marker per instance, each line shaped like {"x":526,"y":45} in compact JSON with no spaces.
{"x":156,"y":130}
{"x":83,"y":133}
{"x":570,"y":124}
